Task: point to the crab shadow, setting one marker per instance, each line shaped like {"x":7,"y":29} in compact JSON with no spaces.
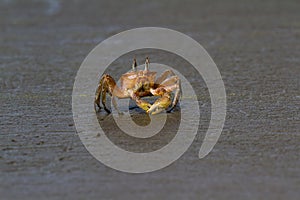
{"x":140,"y":145}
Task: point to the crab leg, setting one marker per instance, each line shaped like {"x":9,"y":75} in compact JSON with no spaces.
{"x":170,"y":81}
{"x":108,"y":85}
{"x":176,"y":97}
{"x":164,"y":75}
{"x":104,"y":91}
{"x":98,"y":94}
{"x":171,"y":84}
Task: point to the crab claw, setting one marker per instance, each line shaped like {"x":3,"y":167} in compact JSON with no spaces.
{"x":160,"y":105}
{"x":143,"y":104}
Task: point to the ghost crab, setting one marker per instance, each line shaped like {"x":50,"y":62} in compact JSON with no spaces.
{"x":141,"y":83}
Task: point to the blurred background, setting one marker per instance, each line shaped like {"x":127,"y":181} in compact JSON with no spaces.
{"x":256,"y":47}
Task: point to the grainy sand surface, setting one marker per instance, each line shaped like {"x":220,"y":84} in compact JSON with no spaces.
{"x":256,"y":46}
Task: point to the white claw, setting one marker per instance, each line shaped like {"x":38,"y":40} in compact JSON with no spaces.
{"x":158,"y":110}
{"x":155,"y":109}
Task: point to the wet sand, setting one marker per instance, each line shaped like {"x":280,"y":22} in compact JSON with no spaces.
{"x":256,"y":48}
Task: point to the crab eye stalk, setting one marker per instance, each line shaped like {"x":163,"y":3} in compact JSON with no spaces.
{"x":134,"y":65}
{"x":147,"y":64}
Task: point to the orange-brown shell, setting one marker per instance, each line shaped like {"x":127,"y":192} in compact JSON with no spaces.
{"x":130,"y":79}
